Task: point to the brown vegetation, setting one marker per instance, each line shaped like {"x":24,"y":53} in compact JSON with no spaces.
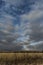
{"x":21,"y":58}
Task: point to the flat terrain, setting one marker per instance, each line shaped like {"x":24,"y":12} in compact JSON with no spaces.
{"x":21,"y":58}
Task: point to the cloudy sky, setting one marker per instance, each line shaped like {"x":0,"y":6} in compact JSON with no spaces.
{"x":21,"y":25}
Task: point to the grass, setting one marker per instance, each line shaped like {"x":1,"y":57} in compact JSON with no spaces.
{"x":21,"y":58}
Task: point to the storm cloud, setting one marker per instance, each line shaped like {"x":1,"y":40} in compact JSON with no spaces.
{"x":21,"y":25}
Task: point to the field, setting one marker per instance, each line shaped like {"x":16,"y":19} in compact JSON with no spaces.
{"x":21,"y":58}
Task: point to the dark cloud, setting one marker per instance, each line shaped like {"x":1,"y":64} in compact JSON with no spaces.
{"x":4,"y":46}
{"x":37,"y":47}
{"x":8,"y":38}
{"x":36,"y":30}
{"x":23,"y":7}
{"x":8,"y":42}
{"x":2,"y":3}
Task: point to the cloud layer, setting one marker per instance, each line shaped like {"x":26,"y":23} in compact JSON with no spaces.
{"x":21,"y":25}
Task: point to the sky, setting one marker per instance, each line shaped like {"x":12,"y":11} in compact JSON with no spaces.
{"x":21,"y":25}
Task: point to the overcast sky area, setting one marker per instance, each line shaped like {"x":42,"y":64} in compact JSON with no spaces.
{"x":21,"y":25}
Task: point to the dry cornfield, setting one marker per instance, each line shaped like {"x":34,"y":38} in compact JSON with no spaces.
{"x":21,"y":58}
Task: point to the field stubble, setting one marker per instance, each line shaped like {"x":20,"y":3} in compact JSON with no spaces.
{"x":21,"y":58}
